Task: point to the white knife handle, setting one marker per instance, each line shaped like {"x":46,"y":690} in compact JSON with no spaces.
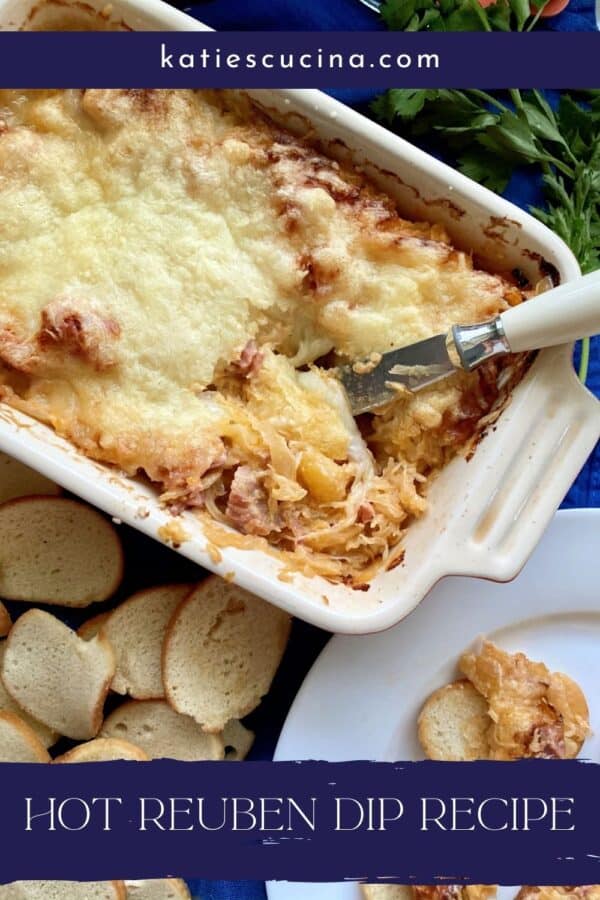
{"x":558,"y":316}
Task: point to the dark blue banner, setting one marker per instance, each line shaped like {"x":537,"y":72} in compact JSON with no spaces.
{"x":533,"y":822}
{"x":298,"y":60}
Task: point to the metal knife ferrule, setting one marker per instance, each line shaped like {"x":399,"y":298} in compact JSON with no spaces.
{"x":475,"y":344}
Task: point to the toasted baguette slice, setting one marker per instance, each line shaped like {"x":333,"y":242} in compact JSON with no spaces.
{"x":56,"y":676}
{"x":533,"y":712}
{"x":387,"y":891}
{"x":45,"y":735}
{"x":136,"y":629}
{"x":58,"y":551}
{"x":63,"y":890}
{"x":103,"y":750}
{"x":18,"y":480}
{"x":161,"y":732}
{"x":157,"y":889}
{"x":238,"y":740}
{"x":19,"y":742}
{"x":221,"y":651}
{"x":91,"y":627}
{"x":5,"y":620}
{"x":454,"y":722}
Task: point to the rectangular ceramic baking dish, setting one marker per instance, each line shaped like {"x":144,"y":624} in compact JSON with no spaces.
{"x":487,"y":514}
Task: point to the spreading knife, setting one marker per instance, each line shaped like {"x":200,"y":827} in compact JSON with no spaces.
{"x":557,"y":316}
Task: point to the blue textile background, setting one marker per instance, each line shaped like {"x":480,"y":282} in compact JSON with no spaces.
{"x":348,"y":15}
{"x":337,"y":15}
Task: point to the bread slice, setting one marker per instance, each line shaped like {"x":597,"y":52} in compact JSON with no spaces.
{"x":63,"y":890}
{"x":58,"y":551}
{"x":91,"y":627}
{"x":533,"y":712}
{"x":45,"y":735}
{"x":103,"y":750}
{"x":136,"y":630}
{"x":387,"y":891}
{"x":5,"y":620}
{"x":56,"y":676}
{"x":158,"y":889}
{"x":454,"y":722}
{"x":221,"y":651}
{"x":18,"y":742}
{"x":238,"y":740}
{"x":161,"y":732}
{"x":18,"y":480}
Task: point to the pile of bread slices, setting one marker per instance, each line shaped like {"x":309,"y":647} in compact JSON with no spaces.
{"x":191,"y":660}
{"x":168,"y":672}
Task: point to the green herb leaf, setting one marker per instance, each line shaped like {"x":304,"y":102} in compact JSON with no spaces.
{"x":486,"y":168}
{"x":464,"y":18}
{"x":521,"y":11}
{"x":513,"y":139}
{"x":573,"y":212}
{"x":403,"y":104}
{"x":432,"y":20}
{"x":579,"y":127}
{"x":397,"y":13}
{"x":499,"y":16}
{"x":457,"y":15}
{"x":542,"y":120}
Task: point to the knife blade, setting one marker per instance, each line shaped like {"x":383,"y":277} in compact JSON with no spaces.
{"x":559,"y":315}
{"x":382,"y":377}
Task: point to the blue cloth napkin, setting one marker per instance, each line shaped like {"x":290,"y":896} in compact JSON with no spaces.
{"x":228,"y":890}
{"x":285,"y":15}
{"x":338,"y":15}
{"x":307,"y":642}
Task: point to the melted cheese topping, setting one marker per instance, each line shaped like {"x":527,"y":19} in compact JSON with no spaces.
{"x":454,"y":892}
{"x":169,"y":260}
{"x":578,"y":892}
{"x":534,"y":712}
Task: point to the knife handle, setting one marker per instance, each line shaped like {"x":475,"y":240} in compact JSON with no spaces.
{"x":558,"y":316}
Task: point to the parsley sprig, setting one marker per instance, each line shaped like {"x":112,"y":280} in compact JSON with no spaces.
{"x":490,"y":136}
{"x":460,"y":15}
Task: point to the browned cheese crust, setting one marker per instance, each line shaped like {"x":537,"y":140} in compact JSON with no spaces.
{"x":172,"y":266}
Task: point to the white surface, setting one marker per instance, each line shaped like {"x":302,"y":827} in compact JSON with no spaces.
{"x":487,"y":515}
{"x":362,"y":696}
{"x":563,"y":314}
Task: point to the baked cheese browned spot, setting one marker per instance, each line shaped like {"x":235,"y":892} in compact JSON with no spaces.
{"x":171,"y":266}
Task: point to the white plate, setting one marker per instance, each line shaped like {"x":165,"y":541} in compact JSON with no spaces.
{"x":362,"y":696}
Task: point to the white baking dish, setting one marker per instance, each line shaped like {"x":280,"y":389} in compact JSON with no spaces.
{"x":134,"y":15}
{"x":486,"y":515}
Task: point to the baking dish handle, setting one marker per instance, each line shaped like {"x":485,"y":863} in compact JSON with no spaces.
{"x":524,"y":485}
